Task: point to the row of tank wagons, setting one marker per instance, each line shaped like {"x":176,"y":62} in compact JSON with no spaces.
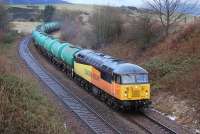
{"x":62,"y":51}
{"x":68,"y":55}
{"x":48,"y":27}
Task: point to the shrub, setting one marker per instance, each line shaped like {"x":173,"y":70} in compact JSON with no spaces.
{"x":70,"y":26}
{"x":78,"y":34}
{"x":158,"y":69}
{"x":62,"y":15}
{"x":86,"y":38}
{"x":69,"y":30}
{"x":74,"y":30}
{"x":190,"y":31}
{"x":144,"y":31}
{"x":9,"y":37}
{"x":3,"y":18}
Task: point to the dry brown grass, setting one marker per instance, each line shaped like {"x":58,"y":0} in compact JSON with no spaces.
{"x":174,"y":68}
{"x":24,"y":27}
{"x":22,"y":107}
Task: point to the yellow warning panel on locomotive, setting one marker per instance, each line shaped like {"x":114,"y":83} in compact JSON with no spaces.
{"x":135,"y":92}
{"x":85,"y":71}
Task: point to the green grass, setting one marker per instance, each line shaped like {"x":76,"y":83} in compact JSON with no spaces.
{"x":167,"y":69}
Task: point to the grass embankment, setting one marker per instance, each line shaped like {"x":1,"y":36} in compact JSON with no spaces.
{"x":22,"y":107}
{"x":174,"y":69}
{"x":174,"y":64}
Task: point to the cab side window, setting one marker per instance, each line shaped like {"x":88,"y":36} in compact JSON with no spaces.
{"x":117,"y":79}
{"x":80,"y":58}
{"x":106,"y":76}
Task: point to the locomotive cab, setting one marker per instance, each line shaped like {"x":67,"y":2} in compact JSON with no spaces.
{"x":132,"y":82}
{"x":133,"y":86}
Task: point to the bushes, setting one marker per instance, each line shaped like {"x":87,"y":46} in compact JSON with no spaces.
{"x":189,"y":32}
{"x":104,"y":26}
{"x":7,"y":41}
{"x":69,"y":30}
{"x":9,"y":37}
{"x":144,"y":31}
{"x":77,"y":34}
{"x":86,"y":38}
{"x":74,"y":30}
{"x":107,"y":24}
{"x":62,"y":15}
{"x":159,"y":68}
{"x":23,"y":110}
{"x":3,"y":19}
{"x":4,"y":23}
{"x":70,"y":27}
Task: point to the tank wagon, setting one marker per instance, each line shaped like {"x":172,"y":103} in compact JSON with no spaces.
{"x":48,"y":27}
{"x":118,"y":83}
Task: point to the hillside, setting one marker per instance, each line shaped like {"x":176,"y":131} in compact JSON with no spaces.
{"x":36,"y":1}
{"x":174,"y":66}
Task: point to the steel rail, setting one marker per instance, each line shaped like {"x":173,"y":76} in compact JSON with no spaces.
{"x":167,"y":129}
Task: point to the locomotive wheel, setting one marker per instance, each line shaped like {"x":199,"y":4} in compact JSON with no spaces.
{"x":95,"y":91}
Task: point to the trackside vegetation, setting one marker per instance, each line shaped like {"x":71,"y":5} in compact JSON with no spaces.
{"x":23,"y":109}
{"x":170,"y":53}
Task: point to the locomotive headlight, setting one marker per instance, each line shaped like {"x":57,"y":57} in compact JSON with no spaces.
{"x":146,"y":92}
{"x":126,"y":93}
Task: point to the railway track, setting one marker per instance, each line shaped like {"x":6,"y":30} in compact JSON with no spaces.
{"x":148,"y":123}
{"x":94,"y":121}
{"x":163,"y":128}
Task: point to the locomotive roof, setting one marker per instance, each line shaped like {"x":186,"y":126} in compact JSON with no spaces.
{"x":107,"y":63}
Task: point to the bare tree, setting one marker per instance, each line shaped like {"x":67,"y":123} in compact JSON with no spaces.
{"x":171,"y":12}
{"x":107,"y":24}
{"x":4,"y":21}
{"x":3,"y":18}
{"x":48,"y":13}
{"x":70,"y":29}
{"x":143,"y":30}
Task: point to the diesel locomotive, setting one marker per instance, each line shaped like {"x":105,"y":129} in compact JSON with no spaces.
{"x":114,"y":81}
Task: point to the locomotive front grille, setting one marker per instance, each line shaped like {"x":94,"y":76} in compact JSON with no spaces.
{"x":136,"y":93}
{"x":133,"y":93}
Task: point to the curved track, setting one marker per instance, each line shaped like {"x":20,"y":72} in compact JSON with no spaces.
{"x":163,"y":128}
{"x":149,"y":124}
{"x":83,"y":111}
{"x":94,"y":121}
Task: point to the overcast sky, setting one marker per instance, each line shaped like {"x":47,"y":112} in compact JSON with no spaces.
{"x":136,"y":3}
